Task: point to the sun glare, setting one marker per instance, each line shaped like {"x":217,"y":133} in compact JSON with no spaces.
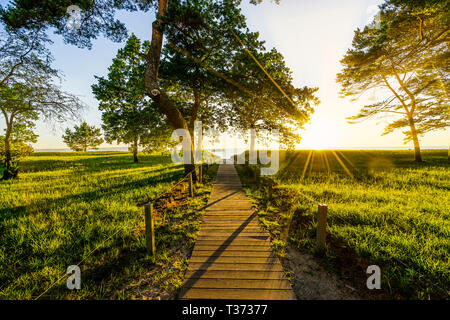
{"x":320,"y":134}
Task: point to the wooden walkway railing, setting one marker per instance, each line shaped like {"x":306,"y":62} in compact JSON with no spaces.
{"x":148,"y":206}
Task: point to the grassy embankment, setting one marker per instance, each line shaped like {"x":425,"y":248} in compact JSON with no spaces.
{"x":65,"y":205}
{"x":383,"y":209}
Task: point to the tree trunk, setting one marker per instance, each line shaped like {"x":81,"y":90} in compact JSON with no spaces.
{"x":153,"y":57}
{"x":135,"y":150}
{"x":417,"y":155}
{"x":10,"y":172}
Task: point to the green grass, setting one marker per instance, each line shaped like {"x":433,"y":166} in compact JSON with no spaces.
{"x":65,"y":205}
{"x":383,"y":209}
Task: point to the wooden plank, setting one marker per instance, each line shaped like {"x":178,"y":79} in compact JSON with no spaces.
{"x":252,"y":224}
{"x":240,"y":228}
{"x":230,"y":220}
{"x":242,"y":236}
{"x":235,"y":241}
{"x":225,"y":244}
{"x":226,"y":253}
{"x":236,"y":204}
{"x":229,"y":210}
{"x":245,"y":209}
{"x":239,"y":274}
{"x":229,"y":196}
{"x":234,"y":247}
{"x":274,"y":284}
{"x":231,"y":224}
{"x":238,"y":294}
{"x":231,"y":235}
{"x":234,"y":259}
{"x":235,"y":266}
{"x":224,"y":216}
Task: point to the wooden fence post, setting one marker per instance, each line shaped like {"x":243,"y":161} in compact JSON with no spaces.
{"x":149,"y":229}
{"x":191,"y":186}
{"x":321,"y":227}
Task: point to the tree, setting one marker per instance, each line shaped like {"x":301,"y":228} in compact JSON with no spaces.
{"x":128,"y":115}
{"x":83,"y":137}
{"x":197,"y":55}
{"x":196,"y":31}
{"x":28,"y":90}
{"x":198,"y":65}
{"x":405,"y":57}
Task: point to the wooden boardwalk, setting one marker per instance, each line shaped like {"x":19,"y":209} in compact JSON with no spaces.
{"x":232,"y":258}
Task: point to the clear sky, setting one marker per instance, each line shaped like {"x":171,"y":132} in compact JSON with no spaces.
{"x":313,"y":35}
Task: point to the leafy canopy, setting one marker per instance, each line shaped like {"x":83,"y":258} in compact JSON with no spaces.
{"x":406,"y":63}
{"x":128,"y":115}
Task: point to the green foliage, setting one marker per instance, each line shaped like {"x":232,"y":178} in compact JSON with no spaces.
{"x":270,"y":109}
{"x":406,"y":61}
{"x":19,"y":149}
{"x":128,"y":115}
{"x":210,"y":75}
{"x":28,"y":83}
{"x":10,"y":162}
{"x":97,"y":18}
{"x":83,"y":137}
{"x":27,"y":92}
{"x":200,"y":49}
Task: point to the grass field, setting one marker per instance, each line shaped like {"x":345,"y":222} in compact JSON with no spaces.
{"x":382,"y":209}
{"x":72,"y":207}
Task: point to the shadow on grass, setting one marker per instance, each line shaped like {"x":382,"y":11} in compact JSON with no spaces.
{"x":90,"y":162}
{"x":18,"y":211}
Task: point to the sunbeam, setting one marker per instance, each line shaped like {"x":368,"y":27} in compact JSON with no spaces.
{"x":306,"y":165}
{"x":325,"y":156}
{"x":343,"y":164}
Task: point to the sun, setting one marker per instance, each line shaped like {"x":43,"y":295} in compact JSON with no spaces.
{"x":319,"y":134}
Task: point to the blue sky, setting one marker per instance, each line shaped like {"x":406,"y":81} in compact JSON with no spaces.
{"x":312,"y":35}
